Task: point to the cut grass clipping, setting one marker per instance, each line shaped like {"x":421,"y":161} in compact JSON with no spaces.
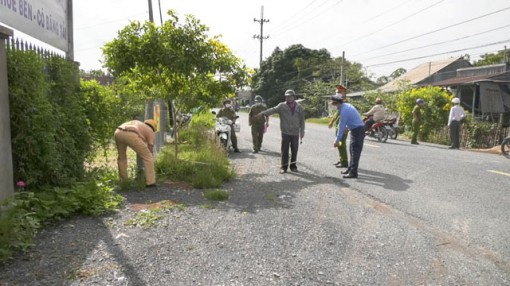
{"x":216,"y":195}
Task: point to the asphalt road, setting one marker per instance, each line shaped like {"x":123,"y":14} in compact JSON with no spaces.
{"x":454,"y":203}
{"x":417,"y":215}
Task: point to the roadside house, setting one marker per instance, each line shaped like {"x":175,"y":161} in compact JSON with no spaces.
{"x":484,"y":90}
{"x":427,"y":74}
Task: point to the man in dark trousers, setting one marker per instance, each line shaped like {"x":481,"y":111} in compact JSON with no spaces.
{"x":292,"y":126}
{"x":350,"y":119}
{"x":454,"y":121}
{"x":257,"y":124}
{"x":343,"y":161}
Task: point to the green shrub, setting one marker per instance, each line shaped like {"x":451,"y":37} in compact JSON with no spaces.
{"x":434,"y":112}
{"x":23,"y":214}
{"x":200,"y":161}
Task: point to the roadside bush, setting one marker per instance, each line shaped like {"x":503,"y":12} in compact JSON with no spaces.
{"x":34,"y":123}
{"x":23,"y":214}
{"x":480,"y":134}
{"x":201,"y":161}
{"x":434,"y":113}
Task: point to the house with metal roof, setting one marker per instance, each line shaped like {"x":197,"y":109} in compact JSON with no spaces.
{"x":485,"y":90}
{"x":427,"y":73}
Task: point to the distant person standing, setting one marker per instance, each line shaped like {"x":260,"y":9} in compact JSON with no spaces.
{"x":343,"y":160}
{"x":229,"y":112}
{"x":416,"y":120}
{"x":292,"y":126}
{"x":454,"y":121}
{"x":139,"y":136}
{"x":350,"y":119}
{"x":257,"y":124}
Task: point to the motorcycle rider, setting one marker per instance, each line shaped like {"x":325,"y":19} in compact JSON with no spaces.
{"x":228,"y":112}
{"x":257,"y":124}
{"x":375,"y":114}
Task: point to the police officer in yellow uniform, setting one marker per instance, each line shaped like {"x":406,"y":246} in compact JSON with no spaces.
{"x":139,"y":136}
{"x":257,"y":124}
{"x":229,"y":112}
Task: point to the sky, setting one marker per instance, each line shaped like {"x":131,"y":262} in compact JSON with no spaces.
{"x":381,"y":35}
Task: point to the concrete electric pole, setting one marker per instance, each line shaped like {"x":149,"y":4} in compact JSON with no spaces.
{"x":261,"y":36}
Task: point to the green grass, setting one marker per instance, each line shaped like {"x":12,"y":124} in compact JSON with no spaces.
{"x":216,"y":195}
{"x":323,"y":120}
{"x":200,"y":161}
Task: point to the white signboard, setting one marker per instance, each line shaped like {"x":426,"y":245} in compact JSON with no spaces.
{"x":45,"y":20}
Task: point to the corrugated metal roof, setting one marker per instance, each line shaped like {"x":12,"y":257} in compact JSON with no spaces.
{"x":418,"y":74}
{"x":501,"y":77}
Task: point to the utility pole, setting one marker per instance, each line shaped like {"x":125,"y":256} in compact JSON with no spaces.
{"x":151,"y":17}
{"x":342,"y":69}
{"x":160,"y":15}
{"x":261,"y":36}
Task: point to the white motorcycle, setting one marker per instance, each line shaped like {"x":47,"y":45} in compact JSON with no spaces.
{"x":223,"y":129}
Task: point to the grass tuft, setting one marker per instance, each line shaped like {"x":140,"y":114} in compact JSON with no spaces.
{"x":216,"y":195}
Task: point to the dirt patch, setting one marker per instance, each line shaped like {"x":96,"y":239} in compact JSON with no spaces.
{"x":154,"y":206}
{"x":494,"y":150}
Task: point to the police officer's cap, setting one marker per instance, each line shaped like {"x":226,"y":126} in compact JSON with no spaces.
{"x":337,"y":98}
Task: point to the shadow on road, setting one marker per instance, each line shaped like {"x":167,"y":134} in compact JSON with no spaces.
{"x":387,"y":181}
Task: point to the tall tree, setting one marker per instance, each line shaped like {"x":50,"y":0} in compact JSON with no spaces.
{"x":176,"y":61}
{"x":490,"y":59}
{"x":301,"y":69}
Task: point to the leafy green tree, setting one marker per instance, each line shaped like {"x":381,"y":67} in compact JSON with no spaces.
{"x":490,"y":59}
{"x":301,"y":69}
{"x":176,"y":61}
{"x":435,"y":111}
{"x":398,"y":72}
{"x":316,"y":94}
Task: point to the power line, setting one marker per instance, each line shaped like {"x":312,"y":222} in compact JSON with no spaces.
{"x":394,"y":23}
{"x":311,"y":17}
{"x":438,"y":43}
{"x":441,"y":29}
{"x":438,"y":54}
{"x":294,"y":16}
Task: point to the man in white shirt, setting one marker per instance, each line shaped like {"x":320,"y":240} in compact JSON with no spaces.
{"x":456,"y":115}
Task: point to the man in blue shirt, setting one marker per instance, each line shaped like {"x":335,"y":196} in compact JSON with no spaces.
{"x":350,"y":119}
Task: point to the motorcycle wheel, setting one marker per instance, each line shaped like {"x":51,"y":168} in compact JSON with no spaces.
{"x":382,"y":134}
{"x":505,"y":148}
{"x":224,"y":143}
{"x":394,"y":133}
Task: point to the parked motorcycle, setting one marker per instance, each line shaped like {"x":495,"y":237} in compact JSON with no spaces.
{"x":392,"y":128}
{"x":378,"y":131}
{"x":505,"y":147}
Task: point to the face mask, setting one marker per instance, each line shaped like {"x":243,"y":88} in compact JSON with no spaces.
{"x":228,"y":105}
